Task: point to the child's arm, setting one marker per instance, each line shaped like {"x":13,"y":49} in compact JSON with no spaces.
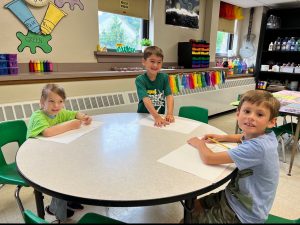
{"x":170,"y":107}
{"x":158,"y":120}
{"x":207,"y":155}
{"x":84,"y":118}
{"x":223,"y":138}
{"x":61,"y":128}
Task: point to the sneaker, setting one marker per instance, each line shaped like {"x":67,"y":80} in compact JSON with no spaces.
{"x":70,"y":212}
{"x":75,"y":205}
{"x":47,"y":209}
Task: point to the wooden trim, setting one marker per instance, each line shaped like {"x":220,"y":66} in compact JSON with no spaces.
{"x":118,"y":57}
{"x":27,"y":78}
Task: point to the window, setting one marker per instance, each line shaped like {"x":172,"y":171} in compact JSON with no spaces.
{"x":227,"y":38}
{"x":224,"y":43}
{"x":116,"y":28}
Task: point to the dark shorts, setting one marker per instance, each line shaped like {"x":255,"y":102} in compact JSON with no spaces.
{"x":215,"y":210}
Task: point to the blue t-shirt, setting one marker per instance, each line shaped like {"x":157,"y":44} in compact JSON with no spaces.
{"x":261,"y":156}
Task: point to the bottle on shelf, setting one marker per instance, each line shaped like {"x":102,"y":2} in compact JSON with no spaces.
{"x":288,"y":45}
{"x":271,"y":46}
{"x":240,"y":66}
{"x":278,"y":44}
{"x":244,"y":67}
{"x":297,"y":45}
{"x":230,"y":67}
{"x":284,"y":43}
{"x":293,"y":42}
{"x":235,"y":66}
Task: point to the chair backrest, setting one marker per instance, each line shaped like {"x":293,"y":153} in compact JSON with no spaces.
{"x":194,"y":112}
{"x":11,"y":131}
{"x":31,"y":218}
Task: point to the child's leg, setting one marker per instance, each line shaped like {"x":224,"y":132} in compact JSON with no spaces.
{"x":59,"y":208}
{"x":213,"y":208}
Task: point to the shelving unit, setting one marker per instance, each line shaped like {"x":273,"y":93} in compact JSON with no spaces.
{"x":290,"y":27}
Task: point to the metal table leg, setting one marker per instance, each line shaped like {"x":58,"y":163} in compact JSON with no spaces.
{"x":188,"y":207}
{"x":39,"y":204}
{"x":294,"y":147}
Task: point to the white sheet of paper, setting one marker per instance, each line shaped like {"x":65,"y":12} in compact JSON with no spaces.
{"x":72,"y":135}
{"x":187,"y":158}
{"x":180,"y":125}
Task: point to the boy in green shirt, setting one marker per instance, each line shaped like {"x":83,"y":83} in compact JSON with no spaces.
{"x":153,"y":88}
{"x":52,"y":119}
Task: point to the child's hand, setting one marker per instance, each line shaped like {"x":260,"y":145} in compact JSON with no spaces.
{"x":75,"y":124}
{"x":159,"y":122}
{"x":216,"y":137}
{"x":86,"y":119}
{"x":170,"y":118}
{"x":196,"y":142}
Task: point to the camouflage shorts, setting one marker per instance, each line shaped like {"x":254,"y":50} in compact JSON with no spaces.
{"x":215,"y":210}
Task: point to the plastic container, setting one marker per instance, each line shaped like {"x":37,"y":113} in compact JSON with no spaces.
{"x":13,"y":70}
{"x":3,"y":71}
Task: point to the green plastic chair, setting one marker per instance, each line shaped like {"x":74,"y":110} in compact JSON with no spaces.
{"x":89,"y":218}
{"x":287,"y":128}
{"x":194,"y":113}
{"x":272,"y":219}
{"x":10,"y":132}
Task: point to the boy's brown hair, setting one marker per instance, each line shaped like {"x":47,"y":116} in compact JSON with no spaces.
{"x":153,"y":50}
{"x":261,"y":97}
{"x":53,"y":88}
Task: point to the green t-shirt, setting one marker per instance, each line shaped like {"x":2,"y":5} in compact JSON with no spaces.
{"x":156,"y":90}
{"x":39,"y":121}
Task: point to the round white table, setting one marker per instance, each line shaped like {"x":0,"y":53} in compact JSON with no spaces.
{"x":115,"y":165}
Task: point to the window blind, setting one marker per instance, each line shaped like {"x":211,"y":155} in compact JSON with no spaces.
{"x":134,"y":8}
{"x":226,"y":25}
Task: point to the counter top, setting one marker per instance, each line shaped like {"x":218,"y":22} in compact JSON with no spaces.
{"x":45,"y":77}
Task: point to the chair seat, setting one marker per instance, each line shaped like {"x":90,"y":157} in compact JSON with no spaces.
{"x":88,"y":218}
{"x":10,"y":175}
{"x":97,"y":219}
{"x":289,"y":128}
{"x":272,"y":219}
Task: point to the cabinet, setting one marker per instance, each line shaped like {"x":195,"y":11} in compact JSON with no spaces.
{"x":193,"y":54}
{"x":289,"y":26}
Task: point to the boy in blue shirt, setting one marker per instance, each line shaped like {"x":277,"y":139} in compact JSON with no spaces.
{"x":249,"y":196}
{"x":153,"y":88}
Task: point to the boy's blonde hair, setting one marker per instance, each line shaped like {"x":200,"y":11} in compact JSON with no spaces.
{"x":153,"y":50}
{"x":53,"y":88}
{"x":261,"y":97}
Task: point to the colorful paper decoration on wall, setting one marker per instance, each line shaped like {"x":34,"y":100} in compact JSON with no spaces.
{"x":178,"y":82}
{"x":37,"y":3}
{"x":34,"y":41}
{"x":52,"y":17}
{"x":230,"y":12}
{"x":22,"y":12}
{"x":72,"y":3}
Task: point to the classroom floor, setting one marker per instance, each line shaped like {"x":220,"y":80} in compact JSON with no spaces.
{"x":286,"y":203}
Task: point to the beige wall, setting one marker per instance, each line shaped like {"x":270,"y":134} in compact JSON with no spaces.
{"x":167,"y":36}
{"x":75,"y":39}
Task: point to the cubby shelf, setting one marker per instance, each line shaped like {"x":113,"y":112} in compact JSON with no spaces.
{"x":290,"y":21}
